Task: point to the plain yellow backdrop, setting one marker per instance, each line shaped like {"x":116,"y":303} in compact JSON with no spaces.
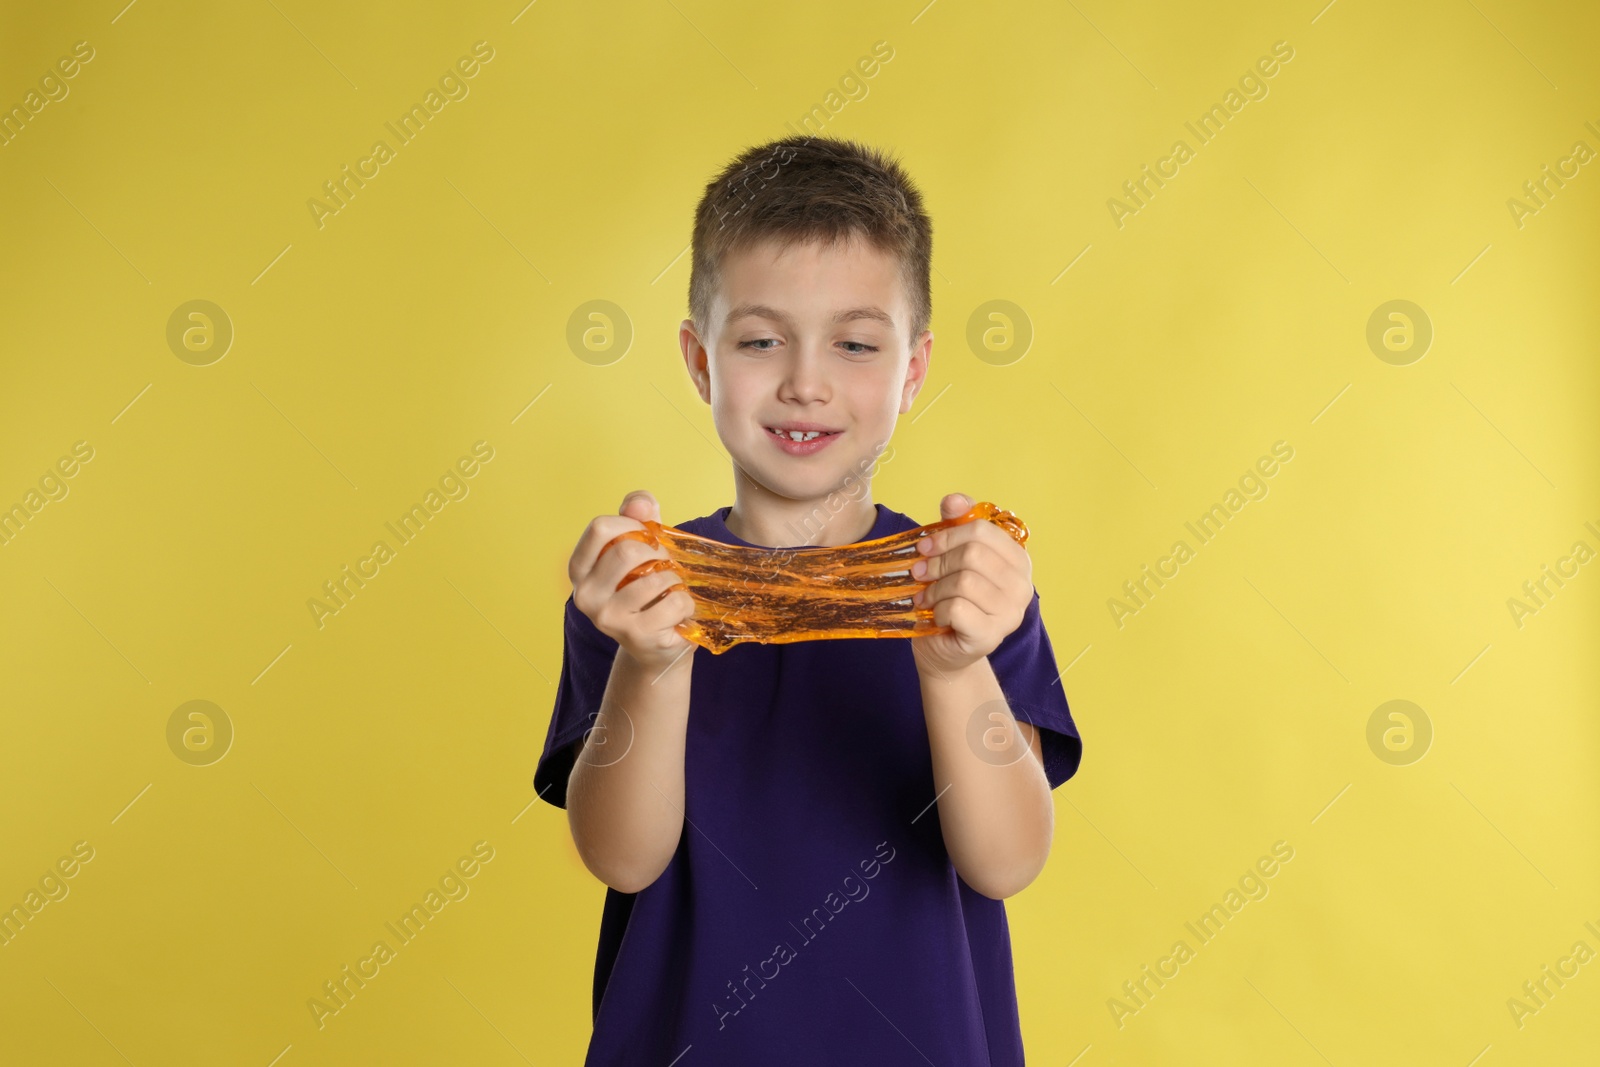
{"x":1167,"y":349}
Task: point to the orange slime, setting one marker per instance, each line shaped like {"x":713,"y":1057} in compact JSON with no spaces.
{"x":779,"y":595}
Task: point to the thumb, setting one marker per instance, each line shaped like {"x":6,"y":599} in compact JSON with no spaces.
{"x":954,"y":506}
{"x":640,"y":505}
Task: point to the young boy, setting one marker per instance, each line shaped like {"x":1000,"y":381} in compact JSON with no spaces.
{"x":807,"y":845}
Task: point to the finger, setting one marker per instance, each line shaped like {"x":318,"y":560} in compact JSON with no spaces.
{"x":633,"y":608}
{"x":623,"y":557}
{"x":598,"y":583}
{"x":973,"y":586}
{"x":601,"y":532}
{"x":653,"y":565}
{"x":955,"y":505}
{"x":947,"y":543}
{"x":960,"y":615}
{"x":945,"y":539}
{"x":641,"y":505}
{"x":680,"y":607}
{"x":662,"y":621}
{"x":647,"y":591}
{"x":668,"y":610}
{"x":971,"y":555}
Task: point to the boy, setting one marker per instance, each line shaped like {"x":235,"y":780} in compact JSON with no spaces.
{"x":806,"y":845}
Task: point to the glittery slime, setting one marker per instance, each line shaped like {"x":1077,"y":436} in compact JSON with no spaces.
{"x":780,"y":595}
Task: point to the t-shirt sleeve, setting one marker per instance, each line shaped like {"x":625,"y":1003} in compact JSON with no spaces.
{"x":1025,"y":665}
{"x":586,"y":657}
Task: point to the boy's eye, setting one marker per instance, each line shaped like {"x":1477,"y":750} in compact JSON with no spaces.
{"x":852,"y":348}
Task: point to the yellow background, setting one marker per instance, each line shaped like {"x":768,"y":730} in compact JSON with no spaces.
{"x":369,"y":354}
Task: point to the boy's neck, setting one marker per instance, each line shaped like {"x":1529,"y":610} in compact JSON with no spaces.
{"x":761,"y":518}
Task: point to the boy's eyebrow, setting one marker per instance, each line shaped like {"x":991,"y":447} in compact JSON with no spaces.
{"x":765,"y":311}
{"x":866,"y":311}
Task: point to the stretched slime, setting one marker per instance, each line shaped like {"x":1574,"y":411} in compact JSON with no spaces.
{"x":780,"y":595}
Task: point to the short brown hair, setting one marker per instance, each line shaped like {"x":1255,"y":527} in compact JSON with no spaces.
{"x":813,"y":189}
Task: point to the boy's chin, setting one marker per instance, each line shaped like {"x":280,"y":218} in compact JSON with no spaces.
{"x":814,"y":486}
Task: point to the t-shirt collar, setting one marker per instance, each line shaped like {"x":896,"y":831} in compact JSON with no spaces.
{"x":719,"y":531}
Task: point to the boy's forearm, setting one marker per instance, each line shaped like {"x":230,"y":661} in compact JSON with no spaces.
{"x":994,"y":800}
{"x":625,"y":792}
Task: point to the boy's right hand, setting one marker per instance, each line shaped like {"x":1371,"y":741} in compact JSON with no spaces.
{"x":642,"y":616}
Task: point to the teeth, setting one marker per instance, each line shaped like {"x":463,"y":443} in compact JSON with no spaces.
{"x":798,"y":435}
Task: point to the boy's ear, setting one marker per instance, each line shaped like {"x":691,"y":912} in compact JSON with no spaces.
{"x":694,"y":358}
{"x":917,"y":370}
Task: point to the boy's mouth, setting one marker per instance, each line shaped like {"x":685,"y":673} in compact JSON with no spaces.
{"x":801,"y":439}
{"x":799,"y":432}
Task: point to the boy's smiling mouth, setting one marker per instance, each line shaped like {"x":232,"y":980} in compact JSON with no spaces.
{"x":801,"y":438}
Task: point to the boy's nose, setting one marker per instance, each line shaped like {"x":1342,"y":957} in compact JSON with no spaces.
{"x":804,"y":378}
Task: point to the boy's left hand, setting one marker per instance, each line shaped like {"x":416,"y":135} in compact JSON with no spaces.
{"x":982,"y":586}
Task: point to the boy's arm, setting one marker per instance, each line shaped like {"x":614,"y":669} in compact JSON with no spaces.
{"x":988,"y":774}
{"x":988,"y":768}
{"x":625,"y":792}
{"x":625,"y":788}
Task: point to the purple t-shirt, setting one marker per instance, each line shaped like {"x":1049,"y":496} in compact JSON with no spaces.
{"x":811,"y":913}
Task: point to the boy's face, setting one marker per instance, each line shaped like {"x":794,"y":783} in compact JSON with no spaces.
{"x":801,"y":338}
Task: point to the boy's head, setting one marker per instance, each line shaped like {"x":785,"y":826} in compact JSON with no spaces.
{"x":809,"y":301}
